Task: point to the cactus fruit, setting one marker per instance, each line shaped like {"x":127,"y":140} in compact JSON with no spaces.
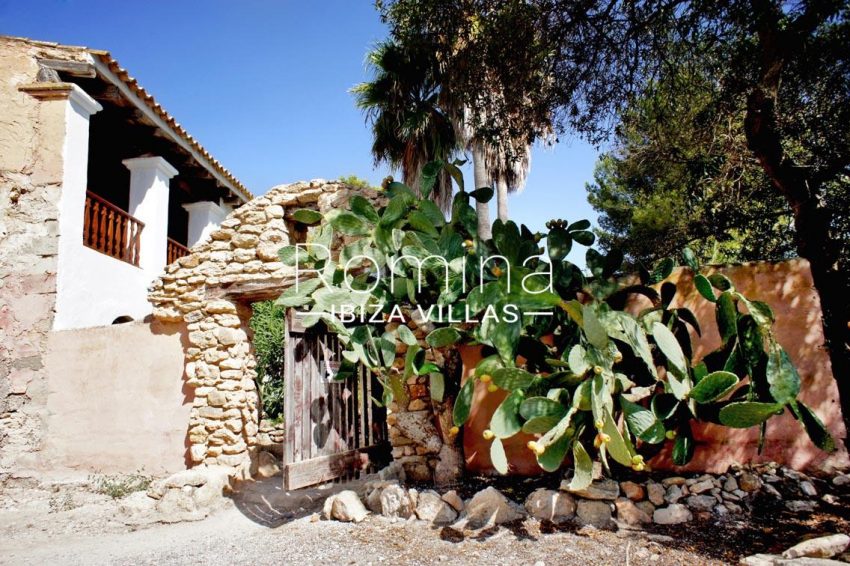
{"x":536,"y":447}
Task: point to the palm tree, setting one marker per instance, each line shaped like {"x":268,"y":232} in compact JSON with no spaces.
{"x":409,"y":126}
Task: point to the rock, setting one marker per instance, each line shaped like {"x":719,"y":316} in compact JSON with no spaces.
{"x":821,"y":547}
{"x":449,"y":468}
{"x":431,"y":507}
{"x":490,"y":507}
{"x":418,"y":427}
{"x":701,"y":502}
{"x":211,"y":494}
{"x":344,"y":506}
{"x":595,"y":512}
{"x":760,"y":560}
{"x":794,"y":474}
{"x":632,"y":490}
{"x":646,"y":507}
{"x":808,"y":489}
{"x":372,"y":494}
{"x":194,"y":477}
{"x":701,"y":486}
{"x":672,"y":514}
{"x":267,"y":465}
{"x":674,"y":494}
{"x":605,"y":489}
{"x":550,"y":505}
{"x":749,"y":482}
{"x":138,"y":508}
{"x":772,"y":491}
{"x":830,"y":499}
{"x":655,"y":492}
{"x":157,"y":489}
{"x":674,"y":480}
{"x":841,"y":480}
{"x":776,"y":560}
{"x":177,"y":505}
{"x":396,"y":502}
{"x":394,"y":471}
{"x":453,"y":499}
{"x":631,"y":514}
{"x":799,"y":506}
{"x":730,"y":485}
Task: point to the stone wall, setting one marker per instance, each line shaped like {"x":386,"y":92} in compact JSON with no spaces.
{"x":420,"y":427}
{"x":32,"y":134}
{"x":211,"y":290}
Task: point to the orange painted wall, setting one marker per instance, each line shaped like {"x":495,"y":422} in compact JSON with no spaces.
{"x":788,"y":288}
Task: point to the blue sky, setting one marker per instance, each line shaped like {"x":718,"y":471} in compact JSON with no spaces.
{"x":264,"y":86}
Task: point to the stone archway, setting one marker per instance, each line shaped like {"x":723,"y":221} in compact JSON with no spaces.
{"x":210,"y":290}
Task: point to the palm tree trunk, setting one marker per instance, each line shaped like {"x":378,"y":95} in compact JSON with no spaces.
{"x":481,"y":179}
{"x":502,"y":199}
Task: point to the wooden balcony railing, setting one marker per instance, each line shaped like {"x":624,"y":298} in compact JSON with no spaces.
{"x":110,"y":230}
{"x":176,"y":250}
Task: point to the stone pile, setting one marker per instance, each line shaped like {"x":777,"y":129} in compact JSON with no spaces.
{"x":189,"y":495}
{"x":607,"y":503}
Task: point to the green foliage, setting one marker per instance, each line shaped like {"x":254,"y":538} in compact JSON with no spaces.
{"x":591,"y":374}
{"x":120,"y":485}
{"x":681,"y":176}
{"x":267,"y":324}
{"x":356,"y":181}
{"x":410,"y":126}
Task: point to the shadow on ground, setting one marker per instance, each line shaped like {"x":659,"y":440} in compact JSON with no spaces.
{"x":265,"y":502}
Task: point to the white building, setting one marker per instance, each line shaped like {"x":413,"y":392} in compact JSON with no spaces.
{"x":136,"y":189}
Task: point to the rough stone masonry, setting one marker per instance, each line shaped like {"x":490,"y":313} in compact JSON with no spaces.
{"x":211,"y":291}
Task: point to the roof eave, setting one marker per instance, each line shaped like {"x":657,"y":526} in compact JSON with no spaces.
{"x":109,"y":69}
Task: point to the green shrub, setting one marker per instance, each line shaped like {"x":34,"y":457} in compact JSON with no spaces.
{"x":120,"y":485}
{"x":267,"y":326}
{"x":597,"y":380}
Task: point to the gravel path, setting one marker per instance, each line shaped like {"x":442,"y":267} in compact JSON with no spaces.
{"x":230,"y":537}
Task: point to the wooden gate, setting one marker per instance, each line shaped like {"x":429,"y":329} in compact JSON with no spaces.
{"x":333,"y":428}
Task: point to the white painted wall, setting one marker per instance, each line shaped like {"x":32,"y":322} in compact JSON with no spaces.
{"x":94,"y":289}
{"x":204,"y":218}
{"x":149,"y":192}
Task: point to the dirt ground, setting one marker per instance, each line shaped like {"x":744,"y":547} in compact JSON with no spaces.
{"x":263,"y":525}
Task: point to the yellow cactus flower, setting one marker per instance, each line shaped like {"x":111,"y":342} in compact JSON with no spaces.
{"x":599,"y":424}
{"x":597,"y":370}
{"x":454,"y":430}
{"x":492,"y":388}
{"x":637,"y":459}
{"x":639,"y":467}
{"x":536,"y":447}
{"x":497,"y":271}
{"x":618,"y":357}
{"x":486,"y":378}
{"x":488,"y":434}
